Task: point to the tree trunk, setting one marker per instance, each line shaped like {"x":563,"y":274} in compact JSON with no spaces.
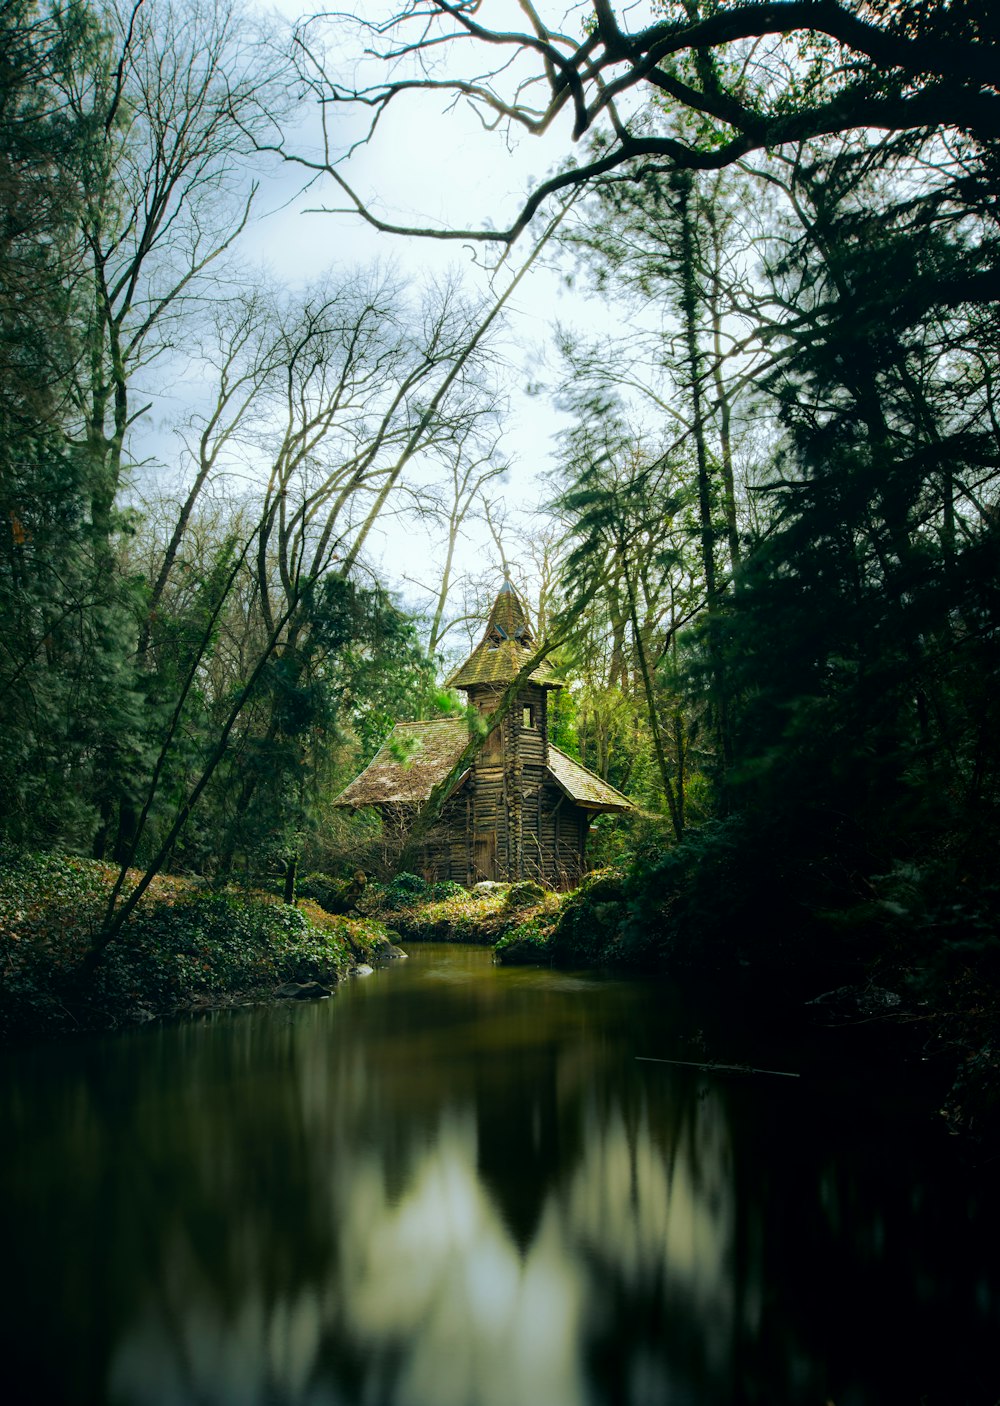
{"x":291,"y":879}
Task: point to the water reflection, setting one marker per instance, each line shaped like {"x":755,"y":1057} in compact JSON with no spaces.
{"x":453,"y":1186}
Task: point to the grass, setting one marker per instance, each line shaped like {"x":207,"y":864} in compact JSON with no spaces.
{"x":449,"y":913}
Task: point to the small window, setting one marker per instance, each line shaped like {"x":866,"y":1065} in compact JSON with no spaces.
{"x":527,"y":716}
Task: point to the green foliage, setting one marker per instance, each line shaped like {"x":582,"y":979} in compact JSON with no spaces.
{"x":356,"y":664}
{"x":862,"y":632}
{"x":404,"y":890}
{"x":209,"y":944}
{"x":447,"y":912}
{"x":64,"y":673}
{"x":588,"y":930}
{"x":322,"y":889}
{"x":528,"y":943}
{"x":183,"y":947}
{"x":409,"y":891}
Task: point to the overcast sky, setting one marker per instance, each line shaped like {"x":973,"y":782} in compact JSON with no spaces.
{"x":431,"y":167}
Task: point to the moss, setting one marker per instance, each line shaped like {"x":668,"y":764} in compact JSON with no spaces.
{"x":524,"y":894}
{"x":184,"y":947}
{"x":450,"y":913}
{"x":590,"y":925}
{"x":529,"y":942}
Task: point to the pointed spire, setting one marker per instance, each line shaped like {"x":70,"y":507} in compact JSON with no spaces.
{"x":508,"y":620}
{"x":501,"y":653}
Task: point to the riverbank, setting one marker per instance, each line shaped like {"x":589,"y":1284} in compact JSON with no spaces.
{"x":877,"y":991}
{"x":185,"y":948}
{"x":498,"y":915}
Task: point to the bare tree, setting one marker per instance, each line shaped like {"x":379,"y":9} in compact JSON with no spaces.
{"x":754,"y":77}
{"x":184,"y":93}
{"x":456,"y":502}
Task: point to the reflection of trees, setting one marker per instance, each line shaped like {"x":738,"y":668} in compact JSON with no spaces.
{"x":438,"y":1190}
{"x":650,"y":1211}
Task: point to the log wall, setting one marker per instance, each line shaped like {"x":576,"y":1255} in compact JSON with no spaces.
{"x":510,"y":820}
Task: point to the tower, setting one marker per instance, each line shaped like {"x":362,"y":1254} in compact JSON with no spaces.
{"x":510,"y":772}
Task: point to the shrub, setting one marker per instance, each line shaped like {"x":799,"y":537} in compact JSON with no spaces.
{"x":405,"y":890}
{"x":182,"y":946}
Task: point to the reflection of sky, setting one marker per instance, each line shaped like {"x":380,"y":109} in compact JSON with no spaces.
{"x":650,"y":1219}
{"x":440,"y":1306}
{"x":438,"y":1273}
{"x":420,"y":1195}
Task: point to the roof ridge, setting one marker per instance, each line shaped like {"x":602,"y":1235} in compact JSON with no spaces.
{"x":427,"y":722}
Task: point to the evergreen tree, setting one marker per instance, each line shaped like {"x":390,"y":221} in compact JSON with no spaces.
{"x":863,"y":633}
{"x":65,"y":632}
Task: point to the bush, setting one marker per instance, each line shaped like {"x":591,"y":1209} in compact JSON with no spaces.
{"x":524,"y":894}
{"x":333,"y":895}
{"x":528,"y":943}
{"x":210,"y":944}
{"x":589,"y":927}
{"x":447,"y":888}
{"x":183,"y":946}
{"x":405,"y":890}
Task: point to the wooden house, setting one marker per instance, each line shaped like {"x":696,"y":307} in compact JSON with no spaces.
{"x":522,"y":808}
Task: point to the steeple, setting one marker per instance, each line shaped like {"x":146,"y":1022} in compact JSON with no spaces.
{"x":504,"y":649}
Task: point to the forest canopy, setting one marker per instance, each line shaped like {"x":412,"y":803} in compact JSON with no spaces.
{"x":778,"y":502}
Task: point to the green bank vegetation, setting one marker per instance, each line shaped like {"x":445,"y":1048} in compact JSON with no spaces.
{"x":768,"y":547}
{"x":185,"y":948}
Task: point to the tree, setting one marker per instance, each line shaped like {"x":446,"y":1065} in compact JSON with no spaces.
{"x":670,"y":250}
{"x":172,"y":99}
{"x":61,"y":636}
{"x":855,"y":627}
{"x":757,"y":77}
{"x":342,"y":390}
{"x":475,"y":466}
{"x":177,"y":100}
{"x":621,"y":507}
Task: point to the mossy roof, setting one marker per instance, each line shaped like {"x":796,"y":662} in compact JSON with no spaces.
{"x":416,"y":756}
{"x":409,"y":764}
{"x":504,"y":649}
{"x":582,"y":786}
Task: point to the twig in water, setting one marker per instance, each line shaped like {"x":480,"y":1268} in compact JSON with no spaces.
{"x":727,"y":1068}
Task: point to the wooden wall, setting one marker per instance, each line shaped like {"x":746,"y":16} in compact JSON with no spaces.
{"x":510,"y":820}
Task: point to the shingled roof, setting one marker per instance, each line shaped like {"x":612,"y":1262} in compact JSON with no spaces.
{"x":504,"y":649}
{"x":416,"y":756}
{"x":582,"y":786}
{"x":409,"y":764}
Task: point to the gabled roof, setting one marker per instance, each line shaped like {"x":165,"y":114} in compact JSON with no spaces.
{"x":416,"y":756}
{"x":582,"y":786}
{"x":409,"y":764}
{"x":504,"y":649}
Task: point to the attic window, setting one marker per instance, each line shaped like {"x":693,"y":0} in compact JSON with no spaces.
{"x":527,"y":716}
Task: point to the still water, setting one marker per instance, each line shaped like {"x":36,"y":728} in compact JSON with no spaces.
{"x":456,"y":1185}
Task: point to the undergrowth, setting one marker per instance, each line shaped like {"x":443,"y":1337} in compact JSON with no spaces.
{"x":183,"y":946}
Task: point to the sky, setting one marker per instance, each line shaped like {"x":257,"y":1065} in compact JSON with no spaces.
{"x":429,"y":167}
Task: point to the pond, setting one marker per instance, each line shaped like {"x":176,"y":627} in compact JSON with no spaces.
{"x":462,"y":1185}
